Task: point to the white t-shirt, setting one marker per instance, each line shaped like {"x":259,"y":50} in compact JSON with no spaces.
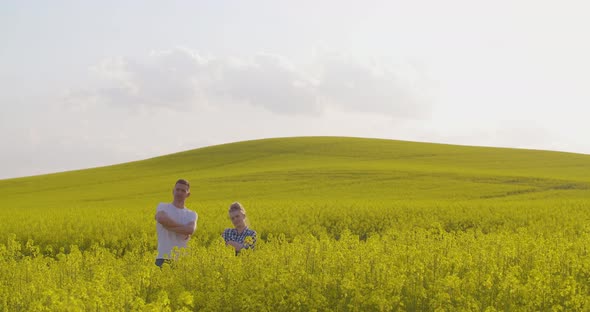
{"x":168,"y":239}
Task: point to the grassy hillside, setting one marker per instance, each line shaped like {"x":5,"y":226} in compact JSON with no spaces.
{"x":301,"y":172}
{"x":317,"y":168}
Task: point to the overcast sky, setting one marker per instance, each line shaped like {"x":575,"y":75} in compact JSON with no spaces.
{"x":85,"y":84}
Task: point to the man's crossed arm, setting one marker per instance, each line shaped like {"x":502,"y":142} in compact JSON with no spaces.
{"x":171,"y":225}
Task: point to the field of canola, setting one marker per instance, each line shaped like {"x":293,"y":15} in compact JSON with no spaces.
{"x":344,"y":224}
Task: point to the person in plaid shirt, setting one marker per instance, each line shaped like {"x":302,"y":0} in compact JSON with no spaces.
{"x":240,"y":236}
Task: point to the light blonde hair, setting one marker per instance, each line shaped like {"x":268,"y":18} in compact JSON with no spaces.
{"x":236,"y":206}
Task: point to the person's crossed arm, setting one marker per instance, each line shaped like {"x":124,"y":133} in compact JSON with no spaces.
{"x":171,"y":225}
{"x":237,"y":246}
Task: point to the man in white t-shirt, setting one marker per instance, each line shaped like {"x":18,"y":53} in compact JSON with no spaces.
{"x":175,"y":223}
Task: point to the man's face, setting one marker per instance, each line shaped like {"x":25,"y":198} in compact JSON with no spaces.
{"x":180,"y":192}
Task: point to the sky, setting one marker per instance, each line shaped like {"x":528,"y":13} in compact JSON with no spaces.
{"x":86,"y":84}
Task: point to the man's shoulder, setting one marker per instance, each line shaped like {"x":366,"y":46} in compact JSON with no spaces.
{"x":192,"y":212}
{"x":250,"y":232}
{"x":163,"y":206}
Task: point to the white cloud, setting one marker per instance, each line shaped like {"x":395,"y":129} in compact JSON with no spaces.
{"x":374,"y":88}
{"x":165,"y":79}
{"x":267,"y":81}
{"x":181,"y":78}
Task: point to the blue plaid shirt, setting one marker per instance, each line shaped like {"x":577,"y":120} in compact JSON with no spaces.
{"x":247,"y":238}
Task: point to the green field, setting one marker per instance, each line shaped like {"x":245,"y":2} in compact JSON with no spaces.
{"x":344,"y":224}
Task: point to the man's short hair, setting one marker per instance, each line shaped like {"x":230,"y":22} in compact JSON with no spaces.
{"x":183,"y":181}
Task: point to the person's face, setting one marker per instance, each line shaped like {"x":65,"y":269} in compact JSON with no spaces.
{"x":237,"y":218}
{"x":180,"y":192}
